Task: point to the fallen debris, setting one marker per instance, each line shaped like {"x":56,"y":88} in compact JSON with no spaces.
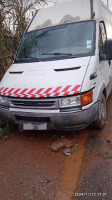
{"x":61,"y":143}
{"x":67,"y":152}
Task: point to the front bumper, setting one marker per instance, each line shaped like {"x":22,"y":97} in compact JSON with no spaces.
{"x":58,"y":121}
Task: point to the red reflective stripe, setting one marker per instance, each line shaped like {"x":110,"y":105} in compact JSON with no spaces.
{"x":57,"y":94}
{"x":40,"y":90}
{"x":9,"y":94}
{"x":5,"y":89}
{"x":41,"y":96}
{"x":1,"y":89}
{"x":33,"y":96}
{"x":48,"y":94}
{"x":25,"y":96}
{"x":32,"y":90}
{"x":66,"y":93}
{"x":17,"y":91}
{"x":10,"y":90}
{"x":48,"y":90}
{"x":4,"y":94}
{"x":76,"y":92}
{"x":18,"y":95}
{"x":57,"y":89}
{"x":66,"y":88}
{"x":76,"y":87}
{"x":23,"y":91}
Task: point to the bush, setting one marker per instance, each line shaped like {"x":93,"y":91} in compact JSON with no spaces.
{"x":14,"y":18}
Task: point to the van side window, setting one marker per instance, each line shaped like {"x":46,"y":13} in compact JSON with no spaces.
{"x":102,"y":37}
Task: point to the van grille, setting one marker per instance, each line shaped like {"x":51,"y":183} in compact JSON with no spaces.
{"x":24,"y":119}
{"x":34,"y":103}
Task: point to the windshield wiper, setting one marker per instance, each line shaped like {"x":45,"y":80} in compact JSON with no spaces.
{"x":61,"y":54}
{"x":30,"y":57}
{"x":33,"y":58}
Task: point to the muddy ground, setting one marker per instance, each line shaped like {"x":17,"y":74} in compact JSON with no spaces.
{"x":31,"y":170}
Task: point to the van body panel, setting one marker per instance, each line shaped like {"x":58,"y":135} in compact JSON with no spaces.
{"x":44,"y":75}
{"x":54,"y":120}
{"x":63,"y":88}
{"x":68,"y":12}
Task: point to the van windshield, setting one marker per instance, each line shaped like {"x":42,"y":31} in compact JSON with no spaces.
{"x":59,"y":42}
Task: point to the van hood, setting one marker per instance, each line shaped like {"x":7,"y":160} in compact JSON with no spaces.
{"x":45,"y":79}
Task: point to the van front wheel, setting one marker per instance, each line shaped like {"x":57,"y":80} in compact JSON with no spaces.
{"x":100,"y":122}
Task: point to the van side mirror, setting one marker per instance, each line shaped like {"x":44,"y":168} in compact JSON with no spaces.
{"x":108,"y":49}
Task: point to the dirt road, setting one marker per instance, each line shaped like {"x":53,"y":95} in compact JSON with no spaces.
{"x":31,"y":170}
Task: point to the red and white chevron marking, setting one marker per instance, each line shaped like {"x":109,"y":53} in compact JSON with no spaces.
{"x":40,"y":93}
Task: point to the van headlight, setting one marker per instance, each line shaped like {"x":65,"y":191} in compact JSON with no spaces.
{"x":3,"y":101}
{"x":74,"y":101}
{"x":69,"y":101}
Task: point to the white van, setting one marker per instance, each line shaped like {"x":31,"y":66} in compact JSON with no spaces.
{"x":62,"y":74}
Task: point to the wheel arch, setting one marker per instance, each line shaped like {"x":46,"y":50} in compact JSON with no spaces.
{"x":103,"y":91}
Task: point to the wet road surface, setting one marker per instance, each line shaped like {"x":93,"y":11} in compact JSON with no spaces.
{"x":30,"y":170}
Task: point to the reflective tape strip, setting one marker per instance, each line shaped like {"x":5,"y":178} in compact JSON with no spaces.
{"x":42,"y":92}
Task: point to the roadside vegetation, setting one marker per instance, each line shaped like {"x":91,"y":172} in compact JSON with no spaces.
{"x":4,"y":128}
{"x":14,"y":18}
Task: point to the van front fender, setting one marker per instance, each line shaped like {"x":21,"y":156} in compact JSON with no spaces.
{"x":102,"y":91}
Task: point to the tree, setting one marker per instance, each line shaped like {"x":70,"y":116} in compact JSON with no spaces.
{"x":14,"y":18}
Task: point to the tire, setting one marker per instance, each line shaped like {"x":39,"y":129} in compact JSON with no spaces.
{"x":101,"y":120}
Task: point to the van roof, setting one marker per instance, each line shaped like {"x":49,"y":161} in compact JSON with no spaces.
{"x":63,"y":13}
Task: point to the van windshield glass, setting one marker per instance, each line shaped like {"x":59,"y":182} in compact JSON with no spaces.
{"x":59,"y":42}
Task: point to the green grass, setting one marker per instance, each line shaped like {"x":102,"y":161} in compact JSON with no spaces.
{"x":5,"y":131}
